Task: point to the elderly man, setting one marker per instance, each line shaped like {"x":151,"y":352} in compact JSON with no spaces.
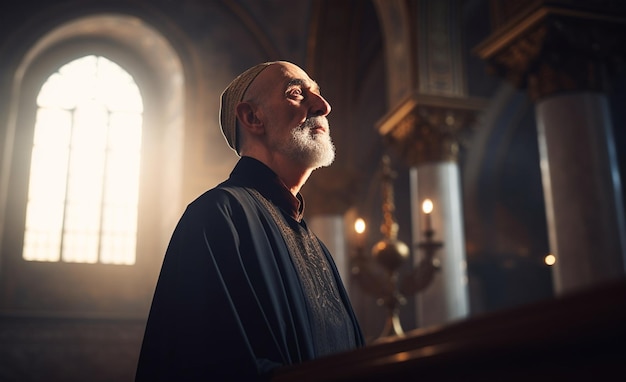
{"x":245,"y":286}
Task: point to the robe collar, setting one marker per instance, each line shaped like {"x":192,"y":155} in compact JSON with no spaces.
{"x":250,"y":172}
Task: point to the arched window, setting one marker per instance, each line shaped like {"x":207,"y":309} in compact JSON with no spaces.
{"x":84,"y":175}
{"x":93,"y":153}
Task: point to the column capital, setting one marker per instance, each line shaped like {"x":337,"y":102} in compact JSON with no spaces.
{"x":553,"y":48}
{"x":427,"y":128}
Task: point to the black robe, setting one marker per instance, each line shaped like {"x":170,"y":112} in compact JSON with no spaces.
{"x":228,"y":303}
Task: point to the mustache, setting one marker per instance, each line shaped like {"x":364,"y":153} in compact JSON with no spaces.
{"x":314,"y":122}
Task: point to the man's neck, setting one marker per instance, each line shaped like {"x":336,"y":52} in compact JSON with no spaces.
{"x":294,"y":181}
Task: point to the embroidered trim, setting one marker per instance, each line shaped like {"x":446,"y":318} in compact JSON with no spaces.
{"x":331,"y":324}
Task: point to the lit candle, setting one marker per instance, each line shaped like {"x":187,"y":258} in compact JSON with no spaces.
{"x":427,"y":208}
{"x":359,"y":228}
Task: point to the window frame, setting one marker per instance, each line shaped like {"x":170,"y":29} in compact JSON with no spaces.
{"x":102,"y":208}
{"x":76,"y":289}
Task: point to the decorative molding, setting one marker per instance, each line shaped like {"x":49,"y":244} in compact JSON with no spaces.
{"x":439,"y":60}
{"x":425,"y":129}
{"x":555,"y":49}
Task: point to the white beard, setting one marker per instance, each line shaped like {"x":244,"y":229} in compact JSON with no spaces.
{"x":310,"y":149}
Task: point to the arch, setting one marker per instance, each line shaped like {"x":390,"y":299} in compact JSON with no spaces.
{"x":159,"y":73}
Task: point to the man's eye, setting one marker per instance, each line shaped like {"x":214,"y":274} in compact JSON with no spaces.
{"x":295,"y":92}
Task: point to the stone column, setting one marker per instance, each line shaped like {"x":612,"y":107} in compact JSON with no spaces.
{"x":563,"y":56}
{"x":425,"y":131}
{"x":440,"y":182}
{"x":582,"y":189}
{"x":424,"y":128}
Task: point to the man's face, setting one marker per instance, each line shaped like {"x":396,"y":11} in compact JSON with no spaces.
{"x":296,"y":123}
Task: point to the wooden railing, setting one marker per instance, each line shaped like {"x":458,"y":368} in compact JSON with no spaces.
{"x":576,"y":337}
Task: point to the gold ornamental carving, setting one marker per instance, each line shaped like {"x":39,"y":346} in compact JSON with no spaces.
{"x":429,"y":129}
{"x":556,"y":49}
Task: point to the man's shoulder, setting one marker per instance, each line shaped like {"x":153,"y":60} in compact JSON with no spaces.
{"x":220,"y":205}
{"x":223,"y":195}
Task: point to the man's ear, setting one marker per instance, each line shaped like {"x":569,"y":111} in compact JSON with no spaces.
{"x":248,"y":118}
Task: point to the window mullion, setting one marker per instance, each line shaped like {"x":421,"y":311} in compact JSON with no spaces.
{"x":67,"y":180}
{"x":107,"y":149}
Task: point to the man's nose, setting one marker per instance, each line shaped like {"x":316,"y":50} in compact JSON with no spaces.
{"x":319,"y":106}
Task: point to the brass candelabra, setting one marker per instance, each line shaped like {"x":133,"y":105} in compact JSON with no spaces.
{"x":379,"y":274}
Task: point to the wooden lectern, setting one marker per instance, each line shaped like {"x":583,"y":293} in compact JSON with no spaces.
{"x":576,"y":337}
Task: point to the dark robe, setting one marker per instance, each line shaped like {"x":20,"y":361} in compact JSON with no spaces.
{"x":229,"y":304}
